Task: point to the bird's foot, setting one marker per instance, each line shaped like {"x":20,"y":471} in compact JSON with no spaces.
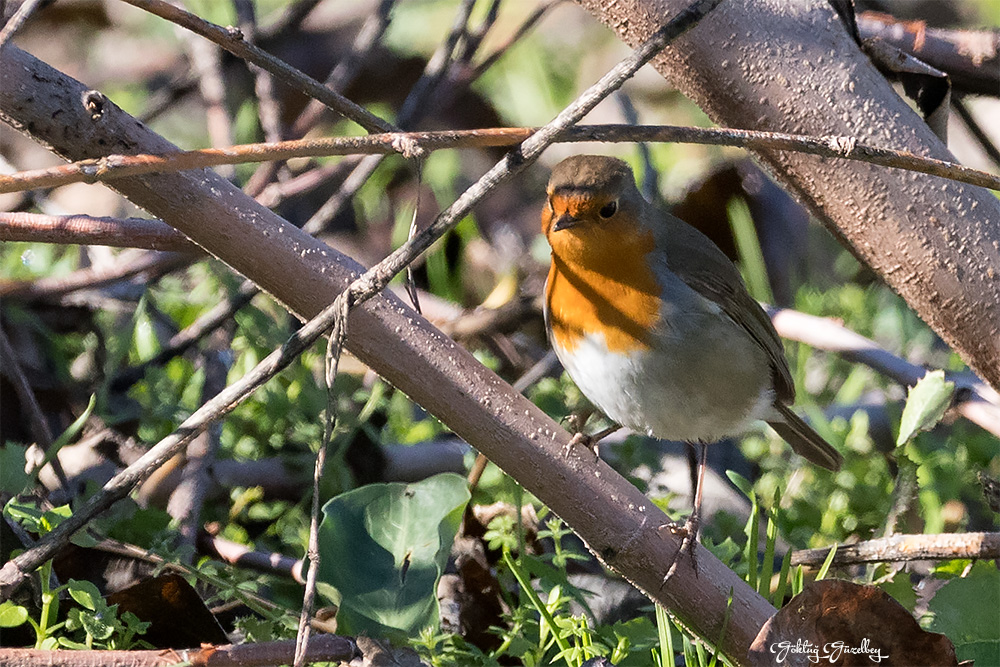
{"x":590,"y":441}
{"x":689,"y":533}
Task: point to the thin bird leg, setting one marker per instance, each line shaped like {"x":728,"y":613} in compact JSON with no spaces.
{"x":577,"y":421}
{"x":692,"y":526}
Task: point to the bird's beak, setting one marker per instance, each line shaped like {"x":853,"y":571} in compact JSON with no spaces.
{"x":564,"y":221}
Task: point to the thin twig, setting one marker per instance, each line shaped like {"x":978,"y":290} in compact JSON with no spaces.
{"x":472,"y":39}
{"x":413,"y":108}
{"x":976,"y":129}
{"x":231,"y":40}
{"x":341,"y":307}
{"x":188,"y":497}
{"x":206,"y":63}
{"x":521,"y":31}
{"x":340,"y":77}
{"x":268,"y":109}
{"x":109,"y":167}
{"x":20,"y":17}
{"x":241,"y":555}
{"x":437,"y":65}
{"x":290,"y":19}
{"x":142,"y":233}
{"x":902,"y":548}
{"x":93,"y":277}
{"x":323,"y":648}
{"x":344,"y":71}
{"x":650,"y":186}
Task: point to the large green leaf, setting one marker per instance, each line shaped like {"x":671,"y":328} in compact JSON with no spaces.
{"x":384,"y":547}
{"x":965,"y":609}
{"x":13,"y":478}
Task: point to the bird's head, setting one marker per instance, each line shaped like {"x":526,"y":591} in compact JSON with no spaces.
{"x":593,"y":206}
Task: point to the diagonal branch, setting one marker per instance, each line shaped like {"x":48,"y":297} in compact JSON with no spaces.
{"x":614,"y":518}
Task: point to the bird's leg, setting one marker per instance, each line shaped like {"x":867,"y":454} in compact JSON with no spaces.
{"x":577,"y":421}
{"x":692,"y":526}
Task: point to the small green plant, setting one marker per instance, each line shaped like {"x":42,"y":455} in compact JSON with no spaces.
{"x":94,"y":624}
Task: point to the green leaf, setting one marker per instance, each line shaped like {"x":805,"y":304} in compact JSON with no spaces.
{"x":901,"y":590}
{"x":66,"y":642}
{"x":26,"y":514}
{"x":13,"y":478}
{"x":85,"y":593}
{"x":69,"y":435}
{"x":12,"y":615}
{"x":748,"y":246}
{"x":101,"y":624}
{"x":965,"y":611}
{"x":384,"y":547}
{"x":925,"y":405}
{"x":742,"y":483}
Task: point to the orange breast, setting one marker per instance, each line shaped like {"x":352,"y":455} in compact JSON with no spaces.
{"x":608,"y":290}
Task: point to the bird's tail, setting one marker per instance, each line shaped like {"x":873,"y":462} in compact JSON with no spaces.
{"x":804,"y":440}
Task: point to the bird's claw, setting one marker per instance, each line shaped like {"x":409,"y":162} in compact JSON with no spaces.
{"x":689,"y":530}
{"x":582,"y":439}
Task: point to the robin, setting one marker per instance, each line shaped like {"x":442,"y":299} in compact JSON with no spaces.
{"x":654,"y":324}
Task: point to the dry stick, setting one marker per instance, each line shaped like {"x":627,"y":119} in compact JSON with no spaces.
{"x":412,"y":109}
{"x":231,"y":40}
{"x":347,"y":69}
{"x":324,"y":648}
{"x":18,"y":569}
{"x":340,"y":307}
{"x":19,"y":18}
{"x":90,"y":278}
{"x":206,"y":63}
{"x":291,"y":19}
{"x":107,"y":168}
{"x":142,"y":233}
{"x":188,"y":497}
{"x":340,"y":77}
{"x":472,"y":39}
{"x":268,"y":109}
{"x":970,"y":122}
{"x":945,"y":546}
{"x":241,"y":555}
{"x":981,"y":406}
{"x":437,"y":65}
{"x":521,"y":31}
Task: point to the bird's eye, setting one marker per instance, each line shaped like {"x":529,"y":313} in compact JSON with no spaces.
{"x":608,"y":209}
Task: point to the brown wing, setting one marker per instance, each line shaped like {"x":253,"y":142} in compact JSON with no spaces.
{"x":706,"y":269}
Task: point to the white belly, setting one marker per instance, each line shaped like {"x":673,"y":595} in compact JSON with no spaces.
{"x":691,"y":385}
